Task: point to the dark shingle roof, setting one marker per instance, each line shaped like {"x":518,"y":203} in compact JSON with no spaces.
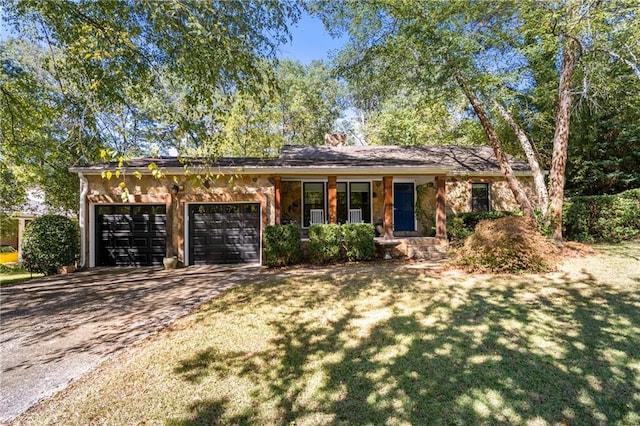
{"x":458,"y":159}
{"x":454,"y":159}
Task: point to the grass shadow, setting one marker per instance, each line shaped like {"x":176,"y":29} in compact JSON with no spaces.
{"x":407,"y":348}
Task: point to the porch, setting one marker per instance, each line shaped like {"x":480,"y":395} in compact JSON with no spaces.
{"x":410,"y":208}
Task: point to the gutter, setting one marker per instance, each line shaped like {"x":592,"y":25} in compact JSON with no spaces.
{"x":284,"y":171}
{"x":84,"y":190}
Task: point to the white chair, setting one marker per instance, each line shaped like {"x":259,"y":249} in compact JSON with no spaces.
{"x":355,"y":215}
{"x":316,"y":217}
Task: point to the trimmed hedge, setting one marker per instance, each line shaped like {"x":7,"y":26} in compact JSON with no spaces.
{"x":328,"y":243}
{"x":462,"y":225}
{"x":358,"y":241}
{"x":606,"y":218}
{"x":282,"y":245}
{"x":325,"y":243}
{"x":50,"y":241}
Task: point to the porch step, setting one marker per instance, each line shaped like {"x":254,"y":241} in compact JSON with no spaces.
{"x":423,"y":248}
{"x":406,"y":234}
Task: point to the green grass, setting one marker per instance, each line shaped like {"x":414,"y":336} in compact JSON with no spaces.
{"x":387,"y":344}
{"x":15,"y":275}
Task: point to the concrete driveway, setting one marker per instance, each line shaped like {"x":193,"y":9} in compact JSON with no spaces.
{"x":53,"y":330}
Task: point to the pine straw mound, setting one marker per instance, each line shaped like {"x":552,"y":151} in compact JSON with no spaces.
{"x":511,"y":244}
{"x":572,"y":249}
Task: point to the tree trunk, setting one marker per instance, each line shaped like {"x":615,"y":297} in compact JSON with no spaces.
{"x":561,"y":137}
{"x":532,"y":158}
{"x":492,"y":135}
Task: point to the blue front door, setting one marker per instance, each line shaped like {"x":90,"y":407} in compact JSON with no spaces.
{"x":403,"y":207}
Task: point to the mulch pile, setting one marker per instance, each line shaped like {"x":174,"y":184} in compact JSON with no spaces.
{"x":507,"y":245}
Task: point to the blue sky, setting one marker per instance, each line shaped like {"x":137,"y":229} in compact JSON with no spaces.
{"x":310,"y":41}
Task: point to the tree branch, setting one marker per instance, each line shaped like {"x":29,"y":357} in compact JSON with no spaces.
{"x":532,"y":158}
{"x":615,"y":55}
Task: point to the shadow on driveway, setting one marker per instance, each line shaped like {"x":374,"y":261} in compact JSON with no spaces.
{"x":56,"y":329}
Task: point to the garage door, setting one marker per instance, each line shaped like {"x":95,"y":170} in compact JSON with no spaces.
{"x":130,"y":235}
{"x":224,"y":233}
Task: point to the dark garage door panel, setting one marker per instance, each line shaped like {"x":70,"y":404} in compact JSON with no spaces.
{"x":224,"y":233}
{"x":130,"y":235}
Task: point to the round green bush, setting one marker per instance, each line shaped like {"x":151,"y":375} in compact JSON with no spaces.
{"x":49,"y":242}
{"x":358,"y":241}
{"x":281,"y":245}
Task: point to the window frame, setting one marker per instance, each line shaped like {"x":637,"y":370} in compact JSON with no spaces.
{"x":475,"y":201}
{"x":306,"y":212}
{"x":367,"y":213}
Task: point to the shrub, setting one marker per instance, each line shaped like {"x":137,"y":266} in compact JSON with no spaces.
{"x":325,"y":243}
{"x":50,"y":241}
{"x":462,"y":225}
{"x":358,"y":241}
{"x":610,"y":218}
{"x":281,"y":245}
{"x":511,"y":244}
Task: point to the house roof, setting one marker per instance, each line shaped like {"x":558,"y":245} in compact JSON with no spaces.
{"x":456,"y":159}
{"x":34,"y":205}
{"x":388,"y":159}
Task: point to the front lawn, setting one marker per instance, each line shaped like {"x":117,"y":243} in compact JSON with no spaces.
{"x":386,"y":344}
{"x":13,"y":275}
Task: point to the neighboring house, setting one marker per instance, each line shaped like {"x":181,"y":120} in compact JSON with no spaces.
{"x":216,"y":213}
{"x":33,"y":207}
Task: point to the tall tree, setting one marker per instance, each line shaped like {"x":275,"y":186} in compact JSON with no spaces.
{"x":485,"y":49}
{"x":126,"y":75}
{"x":299,"y":106}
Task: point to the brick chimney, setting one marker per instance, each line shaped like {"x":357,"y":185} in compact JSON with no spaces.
{"x":335,"y":139}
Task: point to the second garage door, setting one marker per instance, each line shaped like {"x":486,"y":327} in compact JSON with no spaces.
{"x":224,"y":233}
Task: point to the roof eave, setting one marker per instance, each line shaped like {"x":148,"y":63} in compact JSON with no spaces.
{"x":492,"y":173}
{"x":335,"y":170}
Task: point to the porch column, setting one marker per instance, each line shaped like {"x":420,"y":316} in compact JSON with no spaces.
{"x":387,"y":195}
{"x":277,"y":188}
{"x":441,"y":212}
{"x":333,"y":200}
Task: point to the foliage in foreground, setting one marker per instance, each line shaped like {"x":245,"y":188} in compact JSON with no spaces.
{"x":511,"y":244}
{"x":610,"y":218}
{"x":384,"y":344}
{"x":50,"y":241}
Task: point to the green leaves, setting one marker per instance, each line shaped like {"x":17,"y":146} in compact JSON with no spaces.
{"x":95,"y":79}
{"x":51,"y":241}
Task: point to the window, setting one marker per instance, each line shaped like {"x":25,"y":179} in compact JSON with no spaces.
{"x":353,"y":195}
{"x":480,"y":197}
{"x":342,"y":191}
{"x":313,"y":196}
{"x":360,"y":198}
